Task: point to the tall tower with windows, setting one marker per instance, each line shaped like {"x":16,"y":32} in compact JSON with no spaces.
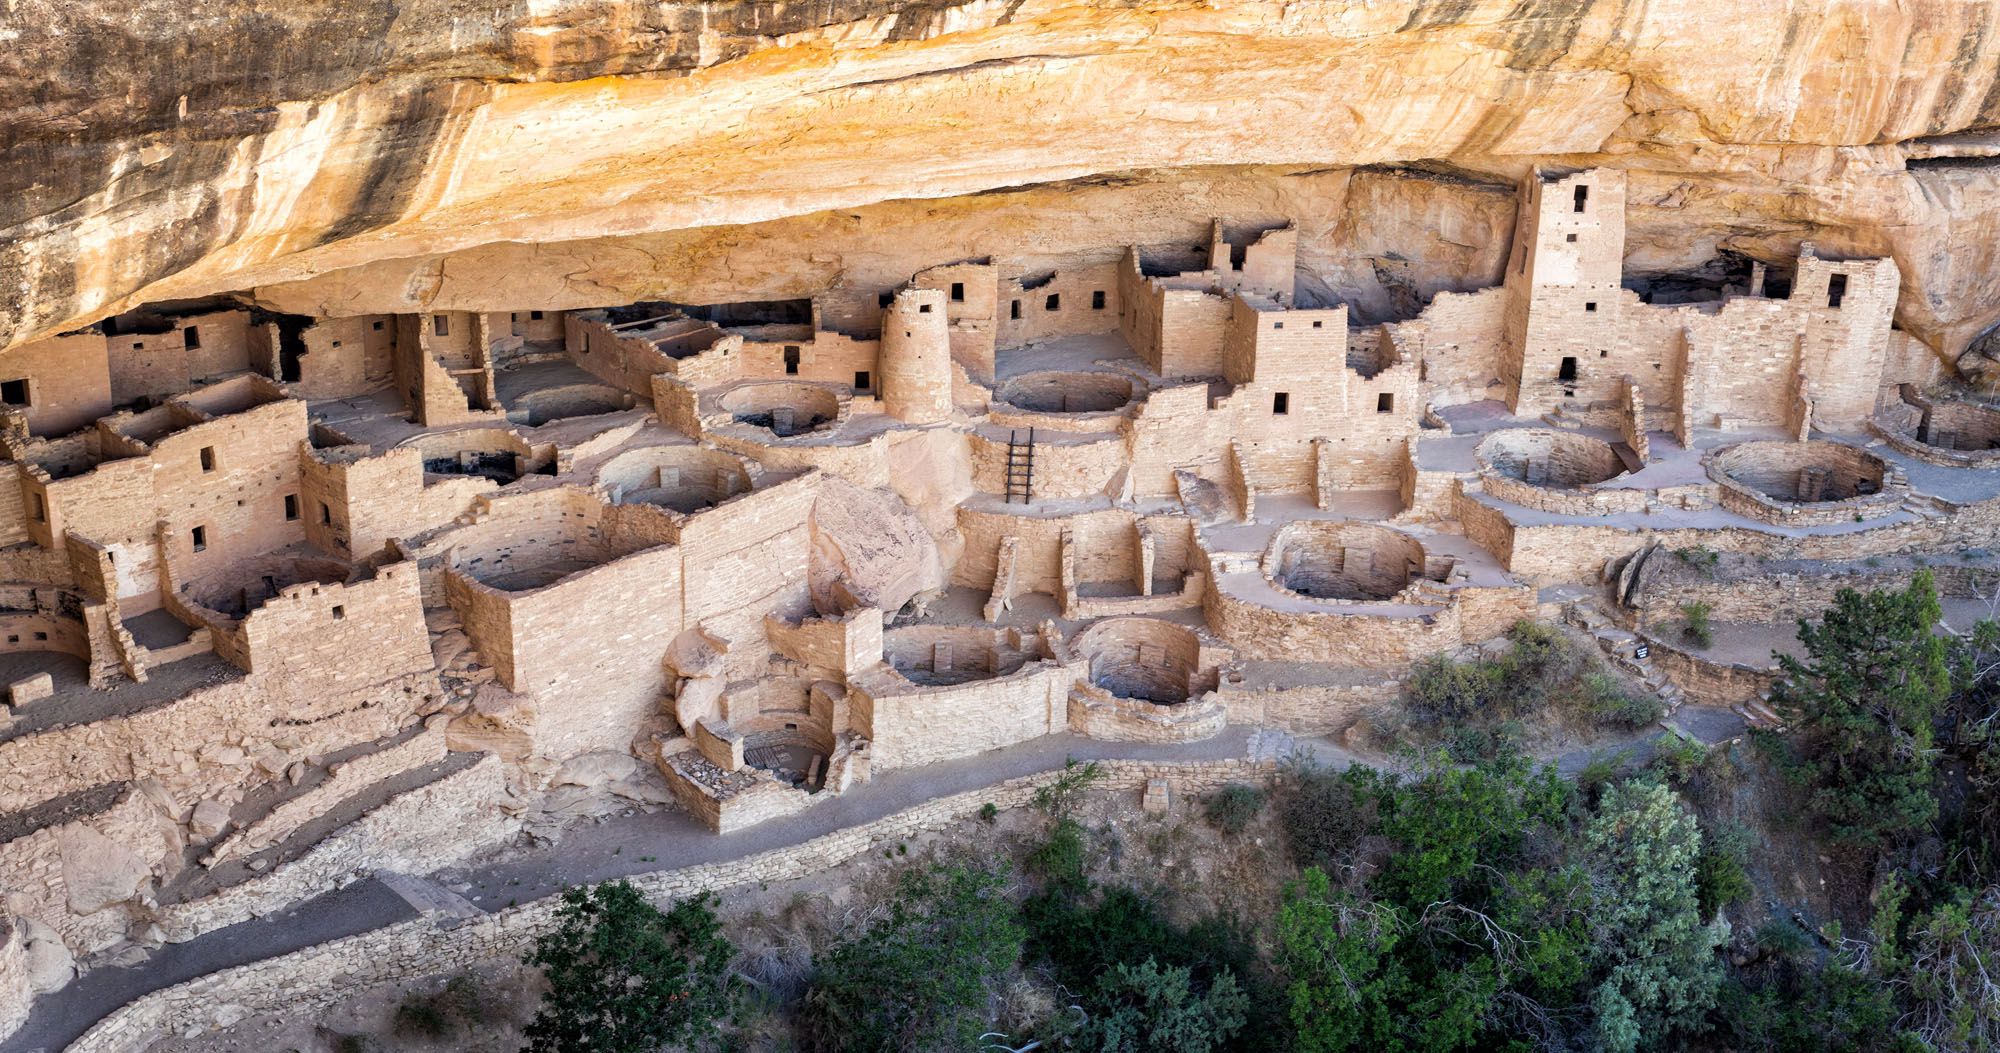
{"x":1563,"y":309}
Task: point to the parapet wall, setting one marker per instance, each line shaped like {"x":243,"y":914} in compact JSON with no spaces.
{"x":311,"y":979}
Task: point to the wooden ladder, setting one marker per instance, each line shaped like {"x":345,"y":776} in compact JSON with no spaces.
{"x":1020,"y":467}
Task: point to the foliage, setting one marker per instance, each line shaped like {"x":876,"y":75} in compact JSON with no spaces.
{"x":1700,"y":557}
{"x":1470,"y":704}
{"x":917,"y":979}
{"x":1060,"y":796}
{"x":1324,"y":814}
{"x":1059,"y":859}
{"x":1695,"y":623}
{"x":1946,"y":972}
{"x":1472,"y":932}
{"x":1233,"y":808}
{"x":1863,"y":703}
{"x":625,"y":977}
{"x":1147,"y":1007}
{"x":1676,"y":758}
{"x":1653,"y":947}
{"x":1790,"y":1008}
{"x":1721,"y":874}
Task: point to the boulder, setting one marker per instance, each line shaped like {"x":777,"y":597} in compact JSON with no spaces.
{"x":50,"y":963}
{"x":97,"y":871}
{"x":210,"y":818}
{"x":869,"y":550}
{"x":596,"y":769}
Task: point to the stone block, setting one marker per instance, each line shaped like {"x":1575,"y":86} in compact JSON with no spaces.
{"x":1157,"y":797}
{"x":30,"y":689}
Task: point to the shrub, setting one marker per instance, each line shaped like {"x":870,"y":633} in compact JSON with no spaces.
{"x":1676,"y":759}
{"x":917,"y":979}
{"x":1059,"y":797}
{"x":1324,"y":813}
{"x":1607,"y":702}
{"x":1059,"y":859}
{"x":1700,"y":557}
{"x":1232,"y":808}
{"x":626,"y":977}
{"x":989,"y":812}
{"x":1695,"y":627}
{"x":1722,"y":877}
{"x":1442,"y":691}
{"x":1147,"y":1007}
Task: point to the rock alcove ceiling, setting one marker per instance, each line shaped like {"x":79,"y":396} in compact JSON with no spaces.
{"x":345,"y":156}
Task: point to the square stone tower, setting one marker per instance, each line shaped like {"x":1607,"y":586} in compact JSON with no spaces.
{"x":1564,"y":302}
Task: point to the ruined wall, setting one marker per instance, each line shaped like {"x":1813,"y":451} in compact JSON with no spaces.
{"x":68,"y":380}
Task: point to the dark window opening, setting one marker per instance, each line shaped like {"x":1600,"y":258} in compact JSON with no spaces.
{"x":923,"y":308}
{"x":1281,"y":403}
{"x":1591,"y":307}
{"x":339,"y":613}
{"x":1385,"y":403}
{"x":325,"y":513}
{"x":1053,"y":303}
{"x":534,"y":316}
{"x":1277,"y":325}
{"x":791,"y":359}
{"x":191,"y":337}
{"x":1569,"y":238}
{"x":957,"y":292}
{"x":14,"y":392}
{"x":208,"y":458}
{"x":862,"y":381}
{"x":39,"y":635}
{"x":1568,"y":370}
{"x":1015,"y":310}
{"x":291,"y":507}
{"x":1582,"y":195}
{"x":200,"y":536}
{"x":1097,"y":300}
{"x":378,"y":327}
{"x":440,"y":325}
{"x":1836,"y":290}
{"x":1317,"y":325}
{"x":1604,"y":354}
{"x":885,"y":299}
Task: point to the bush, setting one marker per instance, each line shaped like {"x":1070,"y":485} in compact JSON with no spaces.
{"x":1147,"y":1007}
{"x":1324,"y":813}
{"x":917,"y":979}
{"x":1700,"y":557}
{"x":1059,"y":860}
{"x":1606,"y":702}
{"x":1722,"y":877}
{"x":1442,"y":691}
{"x":626,"y":977}
{"x":1232,"y":808}
{"x":1695,"y":627}
{"x":1676,"y":759}
{"x":1059,"y":797}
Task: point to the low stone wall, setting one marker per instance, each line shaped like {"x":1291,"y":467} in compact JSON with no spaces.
{"x":309,"y":980}
{"x":347,"y":778}
{"x":1814,"y":483}
{"x":419,"y":832}
{"x":1708,"y":682}
{"x":1787,"y":595}
{"x":1304,"y":709}
{"x":1099,"y":714}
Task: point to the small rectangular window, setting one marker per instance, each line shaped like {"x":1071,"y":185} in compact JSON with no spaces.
{"x":339,"y":613}
{"x":39,"y":635}
{"x":957,"y":292}
{"x":440,"y":325}
{"x":200,"y":536}
{"x":1566,"y":371}
{"x":1836,"y":290}
{"x":1097,"y":300}
{"x":325,"y":513}
{"x":208,"y":458}
{"x":1281,"y":403}
{"x":1569,"y":238}
{"x":885,"y":299}
{"x":1277,"y":325}
{"x":1015,"y":310}
{"x":378,"y":326}
{"x":791,"y":360}
{"x":534,"y":316}
{"x":41,"y":508}
{"x":862,"y":381}
{"x":191,"y":337}
{"x":1053,"y":303}
{"x":14,"y":392}
{"x":1317,"y":325}
{"x":1582,"y":196}
{"x":1385,"y":403}
{"x":1591,"y":307}
{"x":291,"y":507}
{"x":923,"y":308}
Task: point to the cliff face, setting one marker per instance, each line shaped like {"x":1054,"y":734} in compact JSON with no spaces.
{"x":348,"y":155}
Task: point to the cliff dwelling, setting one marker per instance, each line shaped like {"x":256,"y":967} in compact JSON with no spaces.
{"x":737,"y":504}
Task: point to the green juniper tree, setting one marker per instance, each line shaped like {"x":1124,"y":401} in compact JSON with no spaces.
{"x":626,"y":977}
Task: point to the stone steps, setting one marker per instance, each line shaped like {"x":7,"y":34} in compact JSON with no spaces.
{"x":1621,"y":647}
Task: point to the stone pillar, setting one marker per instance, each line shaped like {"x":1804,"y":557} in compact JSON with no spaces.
{"x":1813,"y":483}
{"x":916,"y":357}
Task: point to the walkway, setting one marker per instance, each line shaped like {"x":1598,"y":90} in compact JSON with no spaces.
{"x":638,"y":842}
